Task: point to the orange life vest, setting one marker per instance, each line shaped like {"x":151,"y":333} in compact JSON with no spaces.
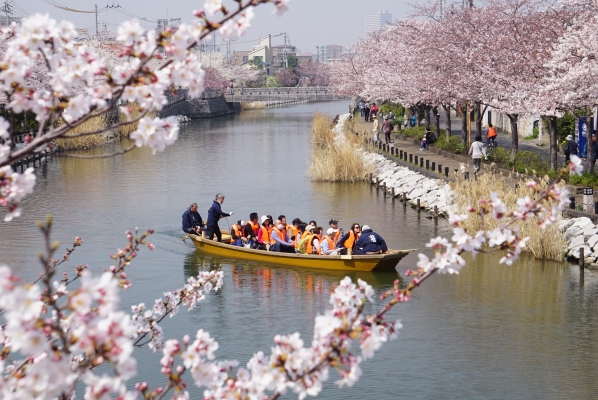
{"x":337,"y":236}
{"x":282,"y":235}
{"x":350,"y":242}
{"x":237,"y":231}
{"x":266,"y":235}
{"x":297,"y":240}
{"x":309,"y":247}
{"x":255,"y":227}
{"x":330,"y":245}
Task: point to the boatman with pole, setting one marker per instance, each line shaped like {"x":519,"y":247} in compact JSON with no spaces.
{"x":214,"y":215}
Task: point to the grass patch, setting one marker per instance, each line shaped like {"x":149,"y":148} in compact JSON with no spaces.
{"x":96,"y":123}
{"x":549,"y":244}
{"x":336,"y":156}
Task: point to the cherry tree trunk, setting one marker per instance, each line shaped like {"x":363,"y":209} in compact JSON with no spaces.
{"x":436,"y":121}
{"x":447,"y":111}
{"x":427,"y":117}
{"x":464,"y":117}
{"x":514,"y":135}
{"x":552,"y":134}
{"x":479,"y":117}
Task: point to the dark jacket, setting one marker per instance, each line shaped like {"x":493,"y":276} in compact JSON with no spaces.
{"x":215,"y":213}
{"x":191,"y":220}
{"x":594,"y":151}
{"x":342,"y":240}
{"x":570,"y":148}
{"x":370,"y":242}
{"x":387,"y":126}
{"x":248,"y":232}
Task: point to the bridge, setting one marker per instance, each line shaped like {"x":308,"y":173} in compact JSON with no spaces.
{"x":280,"y":94}
{"x":213,"y":103}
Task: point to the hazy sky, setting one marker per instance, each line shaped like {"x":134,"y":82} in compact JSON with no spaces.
{"x":308,"y":23}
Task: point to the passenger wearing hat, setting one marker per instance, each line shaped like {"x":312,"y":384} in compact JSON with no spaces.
{"x":327,"y":245}
{"x":370,"y":242}
{"x":237,"y":237}
{"x":570,"y":148}
{"x":264,"y":235}
{"x":333,"y":223}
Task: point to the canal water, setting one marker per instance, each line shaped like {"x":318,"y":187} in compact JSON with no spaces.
{"x":525,"y":331}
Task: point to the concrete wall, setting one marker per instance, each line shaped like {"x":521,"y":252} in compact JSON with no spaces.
{"x":502,"y":122}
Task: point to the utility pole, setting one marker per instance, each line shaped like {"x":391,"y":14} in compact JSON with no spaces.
{"x":8,"y":11}
{"x":285,"y":57}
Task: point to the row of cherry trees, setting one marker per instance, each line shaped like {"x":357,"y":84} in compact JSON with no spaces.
{"x":521,"y":57}
{"x":306,"y":74}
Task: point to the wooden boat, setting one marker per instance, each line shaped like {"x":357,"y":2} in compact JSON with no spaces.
{"x":374,"y":262}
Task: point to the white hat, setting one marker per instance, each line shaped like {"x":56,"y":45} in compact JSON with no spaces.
{"x":569,"y":137}
{"x":264,"y":218}
{"x":310,"y":228}
{"x":364,"y":227}
{"x":330,"y":231}
{"x":243,"y":223}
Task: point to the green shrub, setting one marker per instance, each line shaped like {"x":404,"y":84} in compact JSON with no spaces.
{"x":396,"y":109}
{"x":454,"y":144}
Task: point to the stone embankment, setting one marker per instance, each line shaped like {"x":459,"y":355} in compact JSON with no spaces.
{"x":581,"y":233}
{"x":401,"y":181}
{"x":410,"y":186}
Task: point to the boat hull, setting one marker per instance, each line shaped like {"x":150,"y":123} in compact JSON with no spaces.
{"x":365,"y":263}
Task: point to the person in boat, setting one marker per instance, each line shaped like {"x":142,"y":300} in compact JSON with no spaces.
{"x":280,"y":240}
{"x":370,"y":242}
{"x":237,"y":234}
{"x":310,"y":243}
{"x":251,"y":229}
{"x":333,"y":223}
{"x":327,"y":245}
{"x":348,"y":240}
{"x":313,"y":223}
{"x":214,"y":215}
{"x":192,"y":221}
{"x":264,"y":235}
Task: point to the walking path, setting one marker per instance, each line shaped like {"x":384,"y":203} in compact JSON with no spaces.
{"x":439,"y":157}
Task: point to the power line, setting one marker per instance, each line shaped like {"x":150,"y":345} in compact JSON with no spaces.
{"x":58,"y":5}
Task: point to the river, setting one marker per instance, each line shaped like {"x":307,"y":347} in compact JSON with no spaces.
{"x":525,"y":331}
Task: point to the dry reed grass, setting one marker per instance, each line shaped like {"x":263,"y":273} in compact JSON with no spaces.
{"x":336,"y":157}
{"x":253,"y":105}
{"x":549,"y":244}
{"x":84,"y":142}
{"x":97,"y":123}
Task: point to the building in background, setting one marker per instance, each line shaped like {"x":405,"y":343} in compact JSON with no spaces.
{"x":377,"y":21}
{"x":272,"y":56}
{"x":331,"y":52}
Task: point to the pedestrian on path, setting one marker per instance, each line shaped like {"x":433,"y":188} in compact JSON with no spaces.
{"x":477,"y":150}
{"x":570,"y":148}
{"x":361,"y":107}
{"x":387,"y":128}
{"x":594,"y":149}
{"x":491,"y":136}
{"x":366,"y":112}
{"x":376,"y":129}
